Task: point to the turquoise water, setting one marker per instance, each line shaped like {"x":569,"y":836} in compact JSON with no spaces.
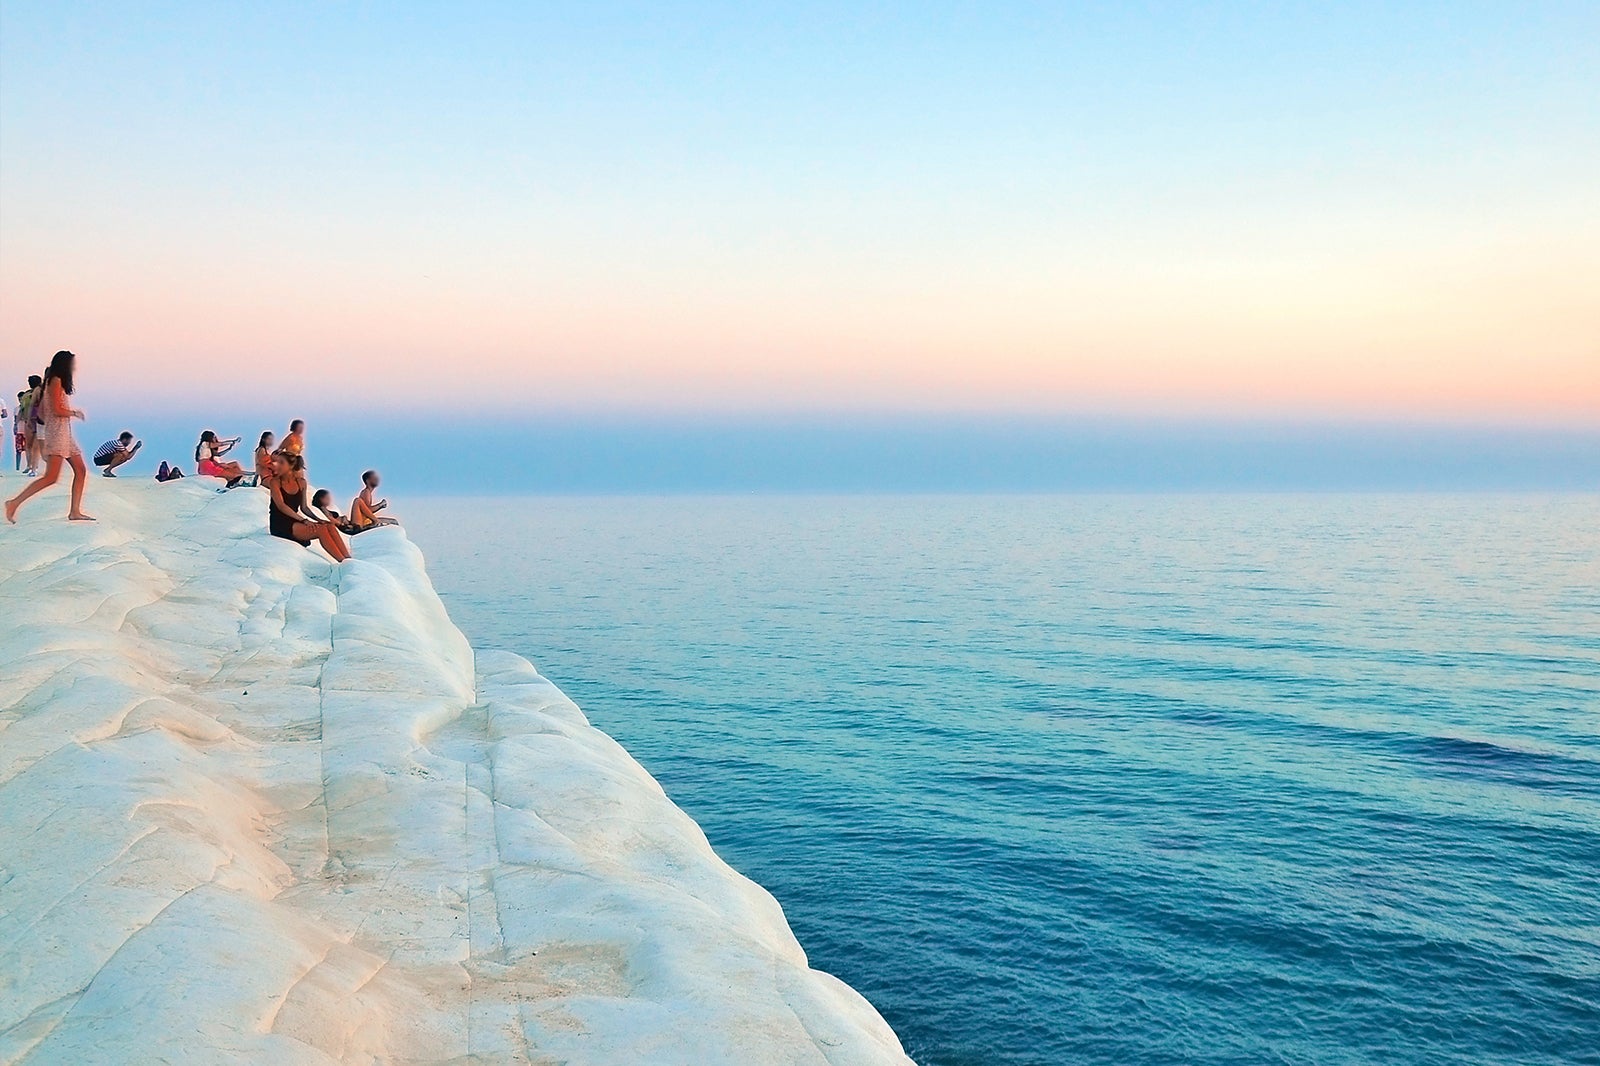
{"x":1137,"y":779}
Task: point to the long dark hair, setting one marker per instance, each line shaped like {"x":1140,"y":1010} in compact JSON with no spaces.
{"x":262,"y":443}
{"x":60,"y":369}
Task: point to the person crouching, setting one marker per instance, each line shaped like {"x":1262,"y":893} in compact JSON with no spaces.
{"x":113,"y":453}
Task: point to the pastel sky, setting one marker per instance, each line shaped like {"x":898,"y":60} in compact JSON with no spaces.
{"x":1354,"y":209}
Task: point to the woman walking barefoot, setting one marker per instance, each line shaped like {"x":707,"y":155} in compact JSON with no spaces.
{"x":288,"y":517}
{"x":59,"y":445}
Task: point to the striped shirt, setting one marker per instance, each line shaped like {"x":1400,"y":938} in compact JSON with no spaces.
{"x":108,"y":449}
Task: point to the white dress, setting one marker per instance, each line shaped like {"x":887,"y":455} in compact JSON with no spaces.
{"x":58,"y":438}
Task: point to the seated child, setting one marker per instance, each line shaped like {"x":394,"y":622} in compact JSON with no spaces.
{"x":364,"y":509}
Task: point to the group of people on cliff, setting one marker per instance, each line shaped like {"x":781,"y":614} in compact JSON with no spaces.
{"x":282,"y":471}
{"x":42,"y":432}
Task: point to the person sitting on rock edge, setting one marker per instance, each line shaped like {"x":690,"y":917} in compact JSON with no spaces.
{"x":294,"y":442}
{"x":322,"y":504}
{"x":264,"y":458}
{"x":208,"y":458}
{"x":289,"y":516}
{"x":364,"y":509}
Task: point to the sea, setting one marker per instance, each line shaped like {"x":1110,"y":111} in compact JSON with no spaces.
{"x":1121,"y":779}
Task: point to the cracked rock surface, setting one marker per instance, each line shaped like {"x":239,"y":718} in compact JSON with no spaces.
{"x":257,"y":808}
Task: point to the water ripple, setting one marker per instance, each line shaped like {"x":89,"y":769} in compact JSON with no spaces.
{"x":1123,"y":780}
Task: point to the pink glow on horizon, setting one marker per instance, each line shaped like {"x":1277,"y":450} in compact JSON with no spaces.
{"x":1498,"y":335}
{"x":1524,"y":352}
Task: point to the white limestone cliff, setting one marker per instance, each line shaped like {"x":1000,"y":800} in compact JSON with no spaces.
{"x":258,"y":808}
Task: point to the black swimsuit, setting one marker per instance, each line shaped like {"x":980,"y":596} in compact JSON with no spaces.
{"x":280,"y":524}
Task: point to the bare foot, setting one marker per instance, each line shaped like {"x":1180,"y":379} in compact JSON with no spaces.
{"x":11,"y":511}
{"x":79,"y":516}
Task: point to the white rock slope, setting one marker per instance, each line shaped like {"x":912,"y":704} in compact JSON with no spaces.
{"x":254,"y":808}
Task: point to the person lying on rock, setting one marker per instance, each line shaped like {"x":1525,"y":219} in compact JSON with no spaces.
{"x":364,"y":509}
{"x":113,"y":453}
{"x":289,"y":516}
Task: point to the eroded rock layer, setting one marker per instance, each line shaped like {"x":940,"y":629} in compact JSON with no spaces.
{"x":254,"y":807}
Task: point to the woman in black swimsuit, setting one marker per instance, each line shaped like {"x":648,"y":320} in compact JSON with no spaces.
{"x":288,"y":517}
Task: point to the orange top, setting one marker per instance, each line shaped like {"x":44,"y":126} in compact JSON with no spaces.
{"x":293,"y":444}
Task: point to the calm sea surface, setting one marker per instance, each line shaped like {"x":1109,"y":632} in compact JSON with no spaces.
{"x":1123,"y":780}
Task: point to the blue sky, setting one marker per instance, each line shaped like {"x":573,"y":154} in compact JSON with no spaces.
{"x":1180,"y":214}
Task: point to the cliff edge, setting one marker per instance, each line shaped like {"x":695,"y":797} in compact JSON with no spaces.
{"x":254,"y":807}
